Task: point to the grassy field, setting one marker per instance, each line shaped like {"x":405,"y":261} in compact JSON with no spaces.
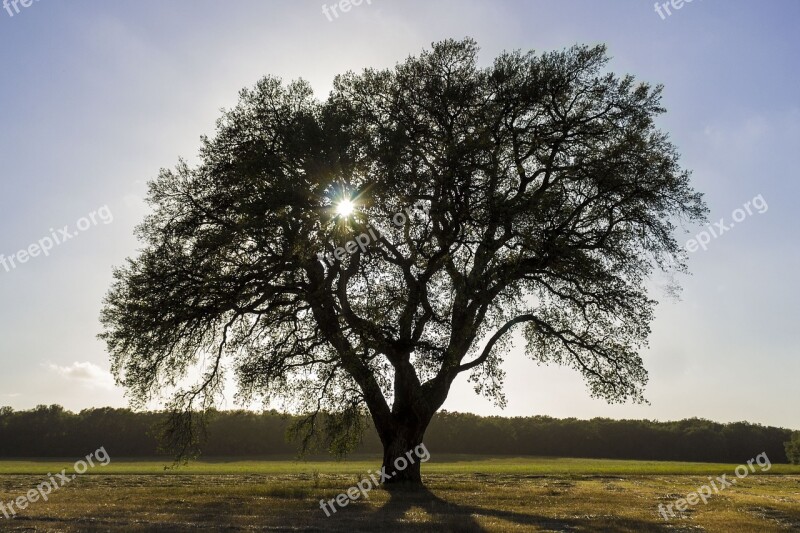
{"x":463,"y":494}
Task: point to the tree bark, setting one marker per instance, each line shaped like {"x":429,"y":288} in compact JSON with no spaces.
{"x":401,"y":461}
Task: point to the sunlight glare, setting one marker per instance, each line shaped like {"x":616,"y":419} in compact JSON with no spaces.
{"x":345,"y":208}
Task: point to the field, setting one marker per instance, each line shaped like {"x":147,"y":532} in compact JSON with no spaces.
{"x":464,"y":493}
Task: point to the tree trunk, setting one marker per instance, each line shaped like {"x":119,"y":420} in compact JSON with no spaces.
{"x":401,"y":458}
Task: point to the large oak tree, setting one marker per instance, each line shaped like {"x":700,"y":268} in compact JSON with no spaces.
{"x":538,"y":196}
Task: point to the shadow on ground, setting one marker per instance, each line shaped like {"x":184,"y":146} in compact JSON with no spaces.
{"x":420,"y":510}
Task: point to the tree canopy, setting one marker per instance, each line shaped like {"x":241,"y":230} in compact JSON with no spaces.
{"x":537,"y":192}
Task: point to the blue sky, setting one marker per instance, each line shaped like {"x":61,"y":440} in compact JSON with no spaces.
{"x":96,"y":97}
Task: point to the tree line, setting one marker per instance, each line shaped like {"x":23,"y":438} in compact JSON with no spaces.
{"x":52,"y":431}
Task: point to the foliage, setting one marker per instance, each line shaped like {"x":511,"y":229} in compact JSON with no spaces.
{"x":539,"y":193}
{"x":793,"y":449}
{"x":54,"y":432}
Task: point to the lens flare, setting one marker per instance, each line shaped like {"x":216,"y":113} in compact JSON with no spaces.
{"x":345,"y":208}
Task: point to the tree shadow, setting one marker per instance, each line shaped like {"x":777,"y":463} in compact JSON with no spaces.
{"x":420,"y":510}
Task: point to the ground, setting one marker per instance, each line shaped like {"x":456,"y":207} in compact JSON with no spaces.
{"x":463,"y":494}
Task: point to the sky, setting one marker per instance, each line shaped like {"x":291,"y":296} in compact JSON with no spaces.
{"x":96,"y":97}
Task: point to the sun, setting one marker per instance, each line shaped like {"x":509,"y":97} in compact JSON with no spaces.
{"x":345,"y":208}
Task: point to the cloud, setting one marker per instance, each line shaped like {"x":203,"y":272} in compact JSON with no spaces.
{"x":86,"y":373}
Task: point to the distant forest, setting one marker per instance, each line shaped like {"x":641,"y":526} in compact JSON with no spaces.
{"x":51,"y":431}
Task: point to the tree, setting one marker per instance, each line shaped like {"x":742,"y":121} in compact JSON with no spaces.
{"x":793,"y":449}
{"x":534,"y":194}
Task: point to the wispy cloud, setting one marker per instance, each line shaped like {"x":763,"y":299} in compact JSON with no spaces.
{"x":86,"y":373}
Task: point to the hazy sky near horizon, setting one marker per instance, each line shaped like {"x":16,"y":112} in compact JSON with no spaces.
{"x":96,"y":97}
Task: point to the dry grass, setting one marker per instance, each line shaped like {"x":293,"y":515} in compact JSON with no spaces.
{"x":453,"y":502}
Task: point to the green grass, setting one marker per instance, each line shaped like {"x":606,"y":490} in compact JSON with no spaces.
{"x":442,"y":464}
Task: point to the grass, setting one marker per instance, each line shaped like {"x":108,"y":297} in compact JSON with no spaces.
{"x":442,"y":464}
{"x":464,"y":493}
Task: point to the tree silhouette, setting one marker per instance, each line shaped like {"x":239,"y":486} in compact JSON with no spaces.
{"x":364,"y":251}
